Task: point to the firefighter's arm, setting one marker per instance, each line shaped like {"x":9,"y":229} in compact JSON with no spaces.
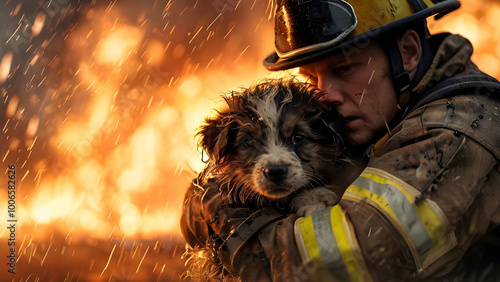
{"x":412,"y":213}
{"x":207,"y":215}
{"x":429,"y":192}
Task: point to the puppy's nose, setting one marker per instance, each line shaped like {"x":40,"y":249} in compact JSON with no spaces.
{"x":275,"y":173}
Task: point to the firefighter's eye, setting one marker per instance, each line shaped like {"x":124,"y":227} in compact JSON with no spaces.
{"x":344,"y":70}
{"x":298,"y":139}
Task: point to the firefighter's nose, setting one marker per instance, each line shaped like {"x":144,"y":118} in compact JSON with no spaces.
{"x":275,"y":173}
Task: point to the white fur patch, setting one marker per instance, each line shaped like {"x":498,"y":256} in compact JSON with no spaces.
{"x":276,"y":152}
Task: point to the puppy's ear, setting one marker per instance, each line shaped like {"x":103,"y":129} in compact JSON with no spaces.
{"x":215,"y":137}
{"x":218,"y":133}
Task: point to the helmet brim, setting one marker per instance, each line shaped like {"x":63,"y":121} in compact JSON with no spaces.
{"x":351,"y":45}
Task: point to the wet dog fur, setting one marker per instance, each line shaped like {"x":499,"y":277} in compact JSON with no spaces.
{"x":273,"y":144}
{"x":271,"y":141}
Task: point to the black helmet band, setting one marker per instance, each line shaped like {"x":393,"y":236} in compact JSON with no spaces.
{"x":303,"y":26}
{"x":309,"y":30}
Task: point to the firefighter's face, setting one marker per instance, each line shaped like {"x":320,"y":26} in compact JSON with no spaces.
{"x":359,"y":88}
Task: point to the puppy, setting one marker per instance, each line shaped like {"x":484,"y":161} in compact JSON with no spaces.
{"x":275,"y":144}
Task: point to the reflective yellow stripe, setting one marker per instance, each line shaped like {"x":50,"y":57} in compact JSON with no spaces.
{"x":435,"y":224}
{"x":381,"y":180}
{"x":401,"y":200}
{"x":381,"y":202}
{"x":309,"y":239}
{"x":384,"y":207}
{"x":344,"y":243}
{"x":432,"y":218}
{"x":423,"y":226}
{"x":326,"y":237}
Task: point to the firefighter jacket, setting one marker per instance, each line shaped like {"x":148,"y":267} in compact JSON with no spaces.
{"x":430,"y":190}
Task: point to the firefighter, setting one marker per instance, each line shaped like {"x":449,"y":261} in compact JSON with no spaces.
{"x":427,"y":120}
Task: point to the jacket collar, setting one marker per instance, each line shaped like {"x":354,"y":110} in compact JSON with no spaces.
{"x":452,"y":56}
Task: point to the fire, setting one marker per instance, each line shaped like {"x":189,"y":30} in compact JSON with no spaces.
{"x":123,"y":156}
{"x":139,"y":171}
{"x":155,"y":52}
{"x":118,"y":45}
{"x":38,"y":24}
{"x":101,"y":114}
{"x":191,"y":86}
{"x":5,"y":66}
{"x":57,"y":202}
{"x":476,"y":21}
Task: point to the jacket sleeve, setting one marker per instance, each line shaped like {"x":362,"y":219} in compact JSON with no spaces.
{"x":193,"y":224}
{"x":429,"y":192}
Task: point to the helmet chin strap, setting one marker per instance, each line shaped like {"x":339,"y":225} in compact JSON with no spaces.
{"x":400,"y":78}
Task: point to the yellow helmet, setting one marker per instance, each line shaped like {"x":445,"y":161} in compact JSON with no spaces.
{"x":309,"y":30}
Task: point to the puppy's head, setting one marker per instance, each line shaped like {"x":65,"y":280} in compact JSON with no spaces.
{"x":272,"y":140}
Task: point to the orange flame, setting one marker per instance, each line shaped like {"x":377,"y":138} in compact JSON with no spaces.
{"x":118,"y":45}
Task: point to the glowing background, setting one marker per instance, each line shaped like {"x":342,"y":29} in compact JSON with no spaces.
{"x":100,"y":100}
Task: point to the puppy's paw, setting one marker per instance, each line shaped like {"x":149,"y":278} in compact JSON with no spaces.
{"x":309,"y":201}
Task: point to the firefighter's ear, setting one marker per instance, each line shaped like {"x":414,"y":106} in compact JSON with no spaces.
{"x":411,"y":50}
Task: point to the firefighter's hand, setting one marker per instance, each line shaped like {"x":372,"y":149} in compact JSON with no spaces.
{"x":208,"y":216}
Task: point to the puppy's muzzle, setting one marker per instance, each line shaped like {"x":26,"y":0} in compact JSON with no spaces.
{"x":275,"y":172}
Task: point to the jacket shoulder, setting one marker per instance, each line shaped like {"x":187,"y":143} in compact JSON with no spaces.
{"x":475,"y":116}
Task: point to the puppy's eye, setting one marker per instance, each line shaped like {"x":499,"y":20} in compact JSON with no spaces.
{"x":250,"y":142}
{"x":298,"y":139}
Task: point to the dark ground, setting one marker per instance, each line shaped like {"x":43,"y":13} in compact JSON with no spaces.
{"x":89,"y":260}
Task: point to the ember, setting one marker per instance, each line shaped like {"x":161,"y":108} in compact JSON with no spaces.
{"x":101,"y":101}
